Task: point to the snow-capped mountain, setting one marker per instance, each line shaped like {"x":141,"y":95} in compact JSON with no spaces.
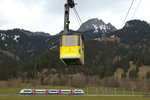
{"x":25,"y":44}
{"x":97,"y":26}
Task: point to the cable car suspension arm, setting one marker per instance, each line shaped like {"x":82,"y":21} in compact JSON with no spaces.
{"x":69,"y":4}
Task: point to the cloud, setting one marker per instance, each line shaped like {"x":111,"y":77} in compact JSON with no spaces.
{"x":3,"y":21}
{"x":48,"y":15}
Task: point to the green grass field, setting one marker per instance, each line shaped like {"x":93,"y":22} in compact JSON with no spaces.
{"x":106,"y":91}
{"x":87,"y":91}
{"x":73,"y":98}
{"x":4,"y":89}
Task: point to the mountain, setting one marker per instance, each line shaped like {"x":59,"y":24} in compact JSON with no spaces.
{"x":25,"y":44}
{"x":121,"y":54}
{"x":117,"y":60}
{"x":96,"y":27}
{"x":134,"y":32}
{"x":103,"y":56}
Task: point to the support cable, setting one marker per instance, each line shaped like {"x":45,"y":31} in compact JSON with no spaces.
{"x":77,"y":17}
{"x":136,"y":8}
{"x":127,"y":12}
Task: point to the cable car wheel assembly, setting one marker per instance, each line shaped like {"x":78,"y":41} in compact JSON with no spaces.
{"x":71,"y":43}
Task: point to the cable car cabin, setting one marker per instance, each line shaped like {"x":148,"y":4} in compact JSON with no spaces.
{"x":72,"y":49}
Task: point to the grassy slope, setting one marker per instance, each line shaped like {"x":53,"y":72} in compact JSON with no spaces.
{"x":74,"y":98}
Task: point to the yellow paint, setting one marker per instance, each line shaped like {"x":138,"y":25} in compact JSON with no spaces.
{"x":69,"y":51}
{"x":64,"y":40}
{"x":72,"y":52}
{"x":76,"y":40}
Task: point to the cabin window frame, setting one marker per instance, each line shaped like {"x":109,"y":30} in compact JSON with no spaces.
{"x":79,"y":40}
{"x":61,"y":41}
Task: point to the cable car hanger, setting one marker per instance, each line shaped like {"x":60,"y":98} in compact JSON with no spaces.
{"x":69,"y":4}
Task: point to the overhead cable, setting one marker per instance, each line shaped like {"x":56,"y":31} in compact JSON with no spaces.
{"x":77,"y":16}
{"x":136,"y":8}
{"x":127,"y":12}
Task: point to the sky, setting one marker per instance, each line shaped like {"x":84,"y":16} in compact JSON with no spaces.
{"x":48,"y":15}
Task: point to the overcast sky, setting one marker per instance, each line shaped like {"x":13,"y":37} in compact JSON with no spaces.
{"x":48,"y":15}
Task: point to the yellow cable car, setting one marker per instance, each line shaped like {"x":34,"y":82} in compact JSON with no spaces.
{"x":72,"y":49}
{"x":71,"y":44}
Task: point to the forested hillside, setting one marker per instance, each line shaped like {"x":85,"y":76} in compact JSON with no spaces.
{"x":25,"y":44}
{"x":104,"y":55}
{"x":8,"y":65}
{"x":126,"y":51}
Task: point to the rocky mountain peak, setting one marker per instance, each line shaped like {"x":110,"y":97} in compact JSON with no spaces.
{"x":136,"y":24}
{"x":98,"y":26}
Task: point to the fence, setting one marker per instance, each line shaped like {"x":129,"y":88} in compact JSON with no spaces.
{"x":111,"y":91}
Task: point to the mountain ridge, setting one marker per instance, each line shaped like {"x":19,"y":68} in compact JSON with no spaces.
{"x":96,"y":25}
{"x":102,"y":56}
{"x":26,"y":44}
